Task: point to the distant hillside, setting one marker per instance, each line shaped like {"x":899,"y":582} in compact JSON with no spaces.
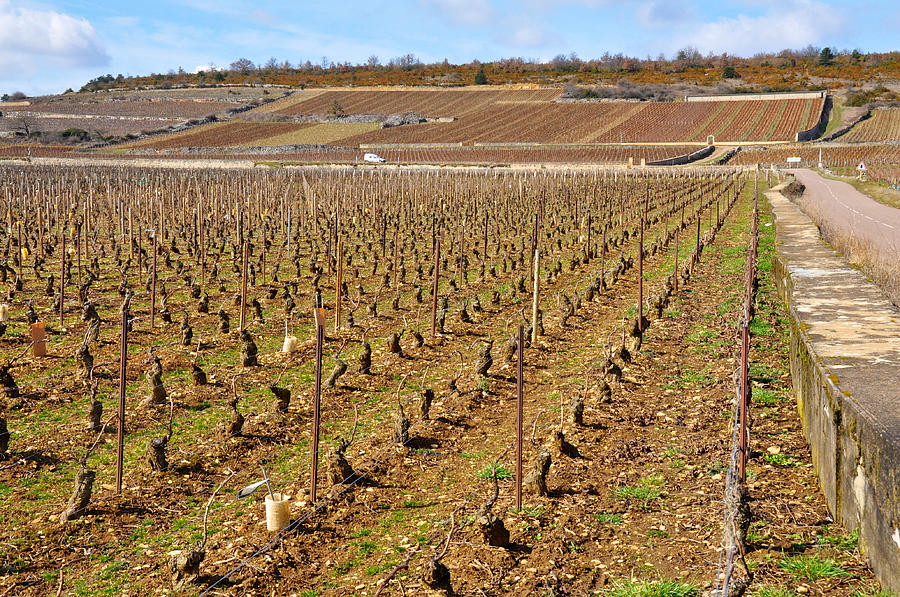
{"x":788,"y":70}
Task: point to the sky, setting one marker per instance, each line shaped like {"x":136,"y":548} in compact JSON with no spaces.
{"x":47,"y":47}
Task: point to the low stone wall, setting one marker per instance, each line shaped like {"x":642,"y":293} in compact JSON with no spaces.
{"x":845,"y":364}
{"x":685,"y":159}
{"x":741,"y":97}
{"x":845,"y":129}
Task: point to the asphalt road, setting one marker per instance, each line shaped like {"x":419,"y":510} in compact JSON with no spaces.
{"x":862,"y":219}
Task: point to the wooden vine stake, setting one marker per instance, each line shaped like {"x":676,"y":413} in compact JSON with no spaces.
{"x":62,"y":281}
{"x":245,"y":257}
{"x":641,"y":277}
{"x":120,"y":426}
{"x":320,"y":340}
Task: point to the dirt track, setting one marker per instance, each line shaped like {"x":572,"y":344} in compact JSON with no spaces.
{"x":850,"y":213}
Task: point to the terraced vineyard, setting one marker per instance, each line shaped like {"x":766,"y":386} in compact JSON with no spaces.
{"x":431,"y":103}
{"x":221,"y":134}
{"x":882,"y":125}
{"x":486,"y":156}
{"x":125,"y":113}
{"x":615,"y":122}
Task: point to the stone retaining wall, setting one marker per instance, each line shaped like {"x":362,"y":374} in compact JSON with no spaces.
{"x":845,"y":364}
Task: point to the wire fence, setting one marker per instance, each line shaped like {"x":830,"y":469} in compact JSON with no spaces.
{"x":736,"y":510}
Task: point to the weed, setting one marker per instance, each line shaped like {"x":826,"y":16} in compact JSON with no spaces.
{"x":379,"y":568}
{"x":533,"y":511}
{"x":716,"y":468}
{"x":781,"y":460}
{"x":414,"y":503}
{"x":638,"y":493}
{"x":575,"y":547}
{"x":773,"y":592}
{"x":811,"y":568}
{"x":671,"y":452}
{"x":760,"y":327}
{"x":765,"y":397}
{"x":656,"y":588}
{"x":344,"y":567}
{"x":689,"y":378}
{"x":487,"y":472}
{"x":366,"y":547}
{"x":607,"y":518}
{"x":843,"y":542}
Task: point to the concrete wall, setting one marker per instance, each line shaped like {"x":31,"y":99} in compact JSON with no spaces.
{"x":845,"y":364}
{"x":820,"y":127}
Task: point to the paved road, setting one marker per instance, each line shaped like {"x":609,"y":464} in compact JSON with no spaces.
{"x":855,"y":214}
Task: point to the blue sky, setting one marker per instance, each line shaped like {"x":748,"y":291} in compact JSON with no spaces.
{"x":48,"y":46}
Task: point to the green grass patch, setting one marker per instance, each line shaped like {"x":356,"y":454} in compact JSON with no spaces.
{"x":487,"y":472}
{"x":772,"y":592}
{"x":781,"y":460}
{"x":811,"y":568}
{"x":765,"y":397}
{"x":654,"y":588}
{"x":607,"y":518}
{"x":689,"y":379}
{"x":844,"y":542}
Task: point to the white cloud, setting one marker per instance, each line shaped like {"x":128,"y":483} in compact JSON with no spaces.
{"x":790,"y":25}
{"x":32,"y":39}
{"x":464,"y":12}
{"x":656,"y":14}
{"x":526,"y":35}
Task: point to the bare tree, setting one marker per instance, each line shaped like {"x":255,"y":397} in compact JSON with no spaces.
{"x":242,"y":65}
{"x":24,"y":125}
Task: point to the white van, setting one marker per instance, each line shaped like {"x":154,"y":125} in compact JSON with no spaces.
{"x":373,"y":157}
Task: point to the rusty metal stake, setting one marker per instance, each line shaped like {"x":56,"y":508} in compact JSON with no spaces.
{"x":320,"y":339}
{"x":520,"y":402}
{"x":675,"y":290}
{"x":153,"y":290}
{"x":340,"y":276}
{"x":434,"y":291}
{"x":641,"y":277}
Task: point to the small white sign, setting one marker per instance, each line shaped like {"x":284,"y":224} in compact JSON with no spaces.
{"x":862,"y":167}
{"x":794,"y":160}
